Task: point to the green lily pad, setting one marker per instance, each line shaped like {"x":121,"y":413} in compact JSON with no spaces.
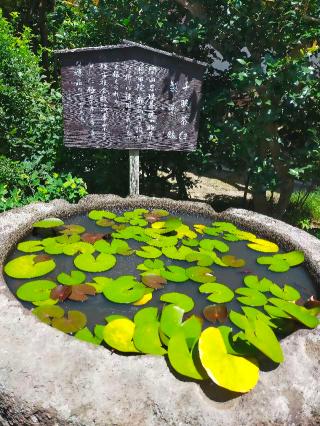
{"x":74,"y":322}
{"x":286,"y":293}
{"x":175,"y":274}
{"x":89,"y":263}
{"x":176,"y":253}
{"x":220,"y":293}
{"x":146,"y":335}
{"x":115,"y":247}
{"x":148,"y":252}
{"x":28,"y":267}
{"x":275,"y":312}
{"x":30,"y":246}
{"x":214,"y":245}
{"x":260,"y":335}
{"x":190,"y":242}
{"x":171,"y":319}
{"x":86,"y":336}
{"x":47,"y":313}
{"x":100,"y":283}
{"x":282,"y":262}
{"x":119,"y":335}
{"x":300,"y":313}
{"x":125,"y":289}
{"x":235,"y":373}
{"x":251,"y":297}
{"x":252,"y":281}
{"x":180,"y":357}
{"x":241,"y":321}
{"x":163,"y":241}
{"x":151,"y":265}
{"x":179,"y":299}
{"x":202,"y":259}
{"x":200,"y":274}
{"x":74,"y":278}
{"x":101,"y":214}
{"x":110,"y":318}
{"x":235,"y":347}
{"x":51,"y":222}
{"x":252,"y":313}
{"x":233,"y":261}
{"x":47,"y":302}
{"x":72,"y":229}
{"x":79,"y":247}
{"x":214,"y":257}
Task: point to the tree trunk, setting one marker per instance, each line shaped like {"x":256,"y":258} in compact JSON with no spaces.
{"x":43,"y":27}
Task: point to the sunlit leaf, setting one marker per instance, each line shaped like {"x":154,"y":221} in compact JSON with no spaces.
{"x":176,"y":253}
{"x":190,"y":243}
{"x":26,"y":267}
{"x":215,"y":313}
{"x":75,"y":277}
{"x":171,"y":319}
{"x":200,"y":274}
{"x":251,"y":297}
{"x":179,"y":299}
{"x":163,"y":241}
{"x":252,"y":281}
{"x":232,"y":372}
{"x":282,"y":262}
{"x":148,"y":252}
{"x":202,"y":259}
{"x":74,"y":322}
{"x":300,"y":313}
{"x":241,"y":321}
{"x":275,"y":312}
{"x":252,"y":313}
{"x":287,"y":292}
{"x":47,"y":302}
{"x":125,"y":289}
{"x":220,"y":293}
{"x":264,"y":246}
{"x":199,"y":228}
{"x":47,"y":313}
{"x":210,"y":245}
{"x":89,"y":263}
{"x":35,"y":290}
{"x":100,"y":283}
{"x":144,"y":299}
{"x":51,"y":222}
{"x":115,"y":247}
{"x":183,"y":231}
{"x":79,"y":247}
{"x":101,"y":214}
{"x":30,"y":246}
{"x":119,"y":334}
{"x":110,"y":318}
{"x":233,"y":261}
{"x":86,"y":336}
{"x":146,"y":335}
{"x":175,"y":274}
{"x":72,"y":229}
{"x":151,"y":265}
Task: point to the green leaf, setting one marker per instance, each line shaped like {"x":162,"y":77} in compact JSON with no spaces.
{"x":251,"y":297}
{"x":115,"y":247}
{"x":287,"y":293}
{"x":200,"y":274}
{"x":72,"y":229}
{"x":202,"y":259}
{"x":220,"y":293}
{"x":252,"y":281}
{"x":74,"y":322}
{"x":171,"y":319}
{"x":79,"y":247}
{"x":214,"y":245}
{"x":260,"y":335}
{"x":175,"y":274}
{"x":236,"y":373}
{"x":148,"y":252}
{"x":275,"y":312}
{"x":282,"y":262}
{"x":86,"y":336}
{"x":100,"y":283}
{"x":241,"y":321}
{"x":252,"y":313}
{"x":119,"y":334}
{"x":233,"y":261}
{"x":110,"y":318}
{"x":30,"y":246}
{"x":47,"y":313}
{"x":176,"y":253}
{"x":163,"y":241}
{"x":190,"y":243}
{"x":146,"y":335}
{"x":51,"y":222}
{"x":28,"y":267}
{"x":125,"y":289}
{"x":151,"y":265}
{"x":101,"y":214}
{"x":300,"y":313}
{"x":74,"y":278}
{"x":179,"y":299}
{"x":181,"y":358}
{"x":87,"y":262}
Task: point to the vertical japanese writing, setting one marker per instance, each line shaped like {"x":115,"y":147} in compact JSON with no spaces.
{"x":128,"y":99}
{"x":104,"y":98}
{"x":139,"y":103}
{"x":78,"y":74}
{"x":152,"y":117}
{"x":91,"y":94}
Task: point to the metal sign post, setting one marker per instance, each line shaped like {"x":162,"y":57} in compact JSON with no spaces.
{"x":134,"y":172}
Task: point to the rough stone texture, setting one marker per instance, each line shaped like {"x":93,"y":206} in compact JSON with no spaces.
{"x":49,"y":378}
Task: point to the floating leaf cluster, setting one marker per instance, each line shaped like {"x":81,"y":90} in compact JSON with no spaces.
{"x":169,"y":251}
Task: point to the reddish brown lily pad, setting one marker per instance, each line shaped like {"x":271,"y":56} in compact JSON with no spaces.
{"x":80,"y":293}
{"x":74,"y":322}
{"x":41,"y":258}
{"x":215,"y":313}
{"x":153,"y":280}
{"x":312,"y":302}
{"x":92,"y":237}
{"x":61,"y":292}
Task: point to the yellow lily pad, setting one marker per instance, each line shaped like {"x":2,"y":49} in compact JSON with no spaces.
{"x":119,"y":334}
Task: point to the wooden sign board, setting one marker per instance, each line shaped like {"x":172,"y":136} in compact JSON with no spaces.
{"x":130,"y":96}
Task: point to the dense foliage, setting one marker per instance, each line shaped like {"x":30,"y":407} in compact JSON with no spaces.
{"x":261,"y":109}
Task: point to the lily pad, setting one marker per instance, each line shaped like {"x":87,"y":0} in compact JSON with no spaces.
{"x":125,"y":289}
{"x":220,"y":293}
{"x":153,"y":280}
{"x":91,"y":238}
{"x":148,"y":252}
{"x":175,"y":274}
{"x":35,"y":290}
{"x":252,"y":313}
{"x":74,"y":278}
{"x":47,"y":313}
{"x":151,"y":265}
{"x":72,"y":229}
{"x":176,"y":253}
{"x":51,"y":222}
{"x":146,"y":335}
{"x":275,"y":312}
{"x":181,"y":358}
{"x":251,"y":297}
{"x":238,"y":374}
{"x":80,"y":292}
{"x":202,"y":259}
{"x":100,"y":283}
{"x":286,"y":293}
{"x":60,"y":293}
{"x":89,"y":263}
{"x":163,"y":241}
{"x":190,"y":243}
{"x":200,"y":274}
{"x":179,"y":299}
{"x":115,"y":247}
{"x":101,"y":214}
{"x":233,"y":261}
{"x":214,"y":313}
{"x":183,"y":231}
{"x":79,"y":247}
{"x":252,"y":281}
{"x":74,"y":322}
{"x":119,"y":335}
{"x":30,"y":246}
{"x":86,"y":336}
{"x":264,"y":246}
{"x":214,"y":245}
{"x":282,"y":262}
{"x":171,"y":319}
{"x":27,"y":267}
{"x":300,"y":313}
{"x":144,"y":299}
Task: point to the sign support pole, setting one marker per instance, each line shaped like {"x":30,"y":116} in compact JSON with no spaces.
{"x":134,"y":172}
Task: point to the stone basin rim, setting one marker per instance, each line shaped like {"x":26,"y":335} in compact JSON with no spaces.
{"x":32,"y":407}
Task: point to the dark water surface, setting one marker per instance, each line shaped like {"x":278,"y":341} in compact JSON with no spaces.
{"x":98,"y":307}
